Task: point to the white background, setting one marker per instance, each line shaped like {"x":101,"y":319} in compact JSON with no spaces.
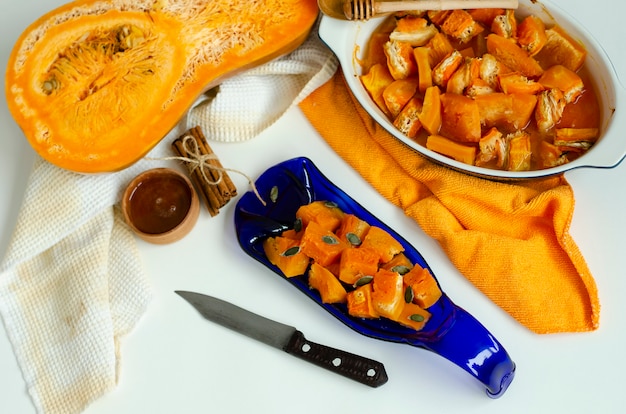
{"x":174,"y":361}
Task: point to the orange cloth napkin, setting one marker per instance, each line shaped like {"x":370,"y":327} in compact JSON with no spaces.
{"x":510,"y":240}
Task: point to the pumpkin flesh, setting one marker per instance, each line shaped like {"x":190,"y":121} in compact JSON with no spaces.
{"x":95,"y":85}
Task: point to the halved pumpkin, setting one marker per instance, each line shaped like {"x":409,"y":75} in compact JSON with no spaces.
{"x":95,"y":84}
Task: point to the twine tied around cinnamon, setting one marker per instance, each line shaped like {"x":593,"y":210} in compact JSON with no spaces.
{"x":206,"y":171}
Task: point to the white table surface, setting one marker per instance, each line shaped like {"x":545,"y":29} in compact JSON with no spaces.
{"x":173,"y":361}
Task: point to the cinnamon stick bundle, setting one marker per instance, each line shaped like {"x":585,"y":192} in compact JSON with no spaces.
{"x":215,"y":192}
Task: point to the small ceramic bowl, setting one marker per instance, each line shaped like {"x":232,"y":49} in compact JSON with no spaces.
{"x":160,"y":205}
{"x":349,"y":39}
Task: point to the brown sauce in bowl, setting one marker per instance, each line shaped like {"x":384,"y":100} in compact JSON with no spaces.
{"x":159,"y":203}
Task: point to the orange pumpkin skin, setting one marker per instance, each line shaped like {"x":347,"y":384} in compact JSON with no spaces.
{"x":105,"y":111}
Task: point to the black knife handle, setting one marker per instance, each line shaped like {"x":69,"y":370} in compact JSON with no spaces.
{"x":358,"y":368}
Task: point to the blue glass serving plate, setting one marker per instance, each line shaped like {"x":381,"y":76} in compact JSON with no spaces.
{"x":451,"y":332}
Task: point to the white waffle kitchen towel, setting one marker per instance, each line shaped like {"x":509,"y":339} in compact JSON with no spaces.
{"x":72,"y":282}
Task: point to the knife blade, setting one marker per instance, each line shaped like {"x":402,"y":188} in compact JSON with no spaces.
{"x":287,"y":338}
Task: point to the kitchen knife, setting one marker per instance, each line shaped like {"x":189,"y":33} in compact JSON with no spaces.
{"x":287,"y":338}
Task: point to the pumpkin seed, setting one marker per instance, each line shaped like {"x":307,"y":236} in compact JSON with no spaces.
{"x":292,"y":251}
{"x":363,"y":281}
{"x":330,"y":204}
{"x":274,"y":194}
{"x":329,"y":239}
{"x":297,"y":225}
{"x":408,"y":294}
{"x":416,"y":317}
{"x":353,"y":239}
{"x":401,"y":269}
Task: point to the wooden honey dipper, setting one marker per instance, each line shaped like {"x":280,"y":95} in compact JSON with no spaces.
{"x":366,"y":9}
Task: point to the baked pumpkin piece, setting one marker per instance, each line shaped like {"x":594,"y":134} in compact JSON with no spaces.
{"x":360,"y":302}
{"x":520,"y":152}
{"x":425,"y":291}
{"x":568,"y":81}
{"x":398,"y":93}
{"x":460,"y":118}
{"x":513,"y":56}
{"x":561,"y":49}
{"x":327,"y":214}
{"x":321,"y":245}
{"x":329,"y":288}
{"x":407,"y":120}
{"x":356,"y":263}
{"x":95,"y":84}
{"x":383,"y":243}
{"x":388,"y":294}
{"x":286,"y":254}
{"x":531,"y":34}
{"x":414,"y":30}
{"x":430,"y":116}
{"x":413,"y":316}
{"x":455,"y":150}
{"x":400,"y":60}
{"x":352,"y":229}
{"x":375,"y":81}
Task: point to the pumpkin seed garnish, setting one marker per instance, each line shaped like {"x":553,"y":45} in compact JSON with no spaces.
{"x":401,"y":269}
{"x":329,"y":239}
{"x":353,"y":239}
{"x":416,"y":317}
{"x":364,"y":280}
{"x":297,"y":225}
{"x":408,"y":294}
{"x":274,"y":194}
{"x":330,"y":204}
{"x":291,"y":251}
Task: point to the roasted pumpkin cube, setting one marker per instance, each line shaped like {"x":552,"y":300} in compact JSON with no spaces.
{"x":551,"y":155}
{"x":399,"y":263}
{"x":407,"y":120}
{"x":321,"y":245}
{"x":398,"y":93}
{"x":412,"y":316}
{"x":449,"y":148}
{"x":400,"y":59}
{"x":356,"y":263}
{"x":493,"y":149}
{"x":424,"y":71}
{"x":523,"y":108}
{"x":286,"y":254}
{"x":383,"y":243}
{"x":459,"y":80}
{"x":549,"y":108}
{"x":352,"y":229}
{"x":360,"y":303}
{"x":438,"y":16}
{"x":531,"y":34}
{"x":388,"y":293}
{"x":515,"y":82}
{"x":568,"y":81}
{"x":430,"y":116}
{"x":460,"y":25}
{"x":485,"y":16}
{"x":505,"y":24}
{"x":425,"y":290}
{"x":513,"y":56}
{"x":576,"y":139}
{"x":561,"y":49}
{"x":327,"y":214}
{"x":375,"y":82}
{"x":460,"y":118}
{"x":446,"y":68}
{"x":440,"y":47}
{"x":413,"y":30}
{"x":519,"y":152}
{"x":329,"y":288}
{"x":491,"y":68}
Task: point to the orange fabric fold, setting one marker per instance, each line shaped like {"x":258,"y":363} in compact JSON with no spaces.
{"x":511,"y":240}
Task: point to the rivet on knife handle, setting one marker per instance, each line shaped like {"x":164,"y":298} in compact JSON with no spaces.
{"x":358,"y":368}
